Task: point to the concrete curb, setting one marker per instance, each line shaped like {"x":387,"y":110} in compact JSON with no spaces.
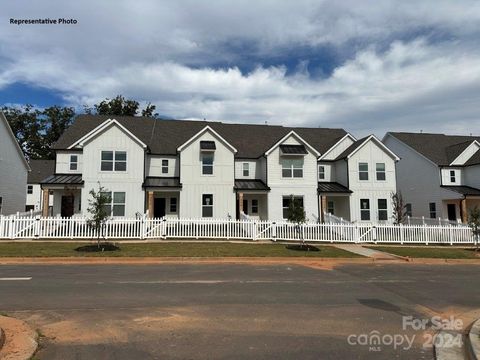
{"x":20,"y":340}
{"x":474,"y":341}
{"x":443,"y":346}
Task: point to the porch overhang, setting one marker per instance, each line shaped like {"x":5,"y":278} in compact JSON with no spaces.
{"x":61,"y":181}
{"x":332,"y":188}
{"x":154,"y":183}
{"x":252,"y":186}
{"x":468,"y":192}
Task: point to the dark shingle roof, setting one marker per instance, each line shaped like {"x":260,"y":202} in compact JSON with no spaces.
{"x":165,"y":136}
{"x":464,"y":190}
{"x":167,"y":182}
{"x":250,"y":184}
{"x":41,"y":169}
{"x":440,"y":148}
{"x":332,"y":187}
{"x":72,"y":179}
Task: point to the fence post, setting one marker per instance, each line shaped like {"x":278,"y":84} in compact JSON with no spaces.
{"x":164,"y":228}
{"x":11,"y":230}
{"x":142,"y":228}
{"x":402,"y":235}
{"x":274,"y":231}
{"x":37,"y":226}
{"x":425,"y":234}
{"x":254,"y":230}
{"x":450,"y":235}
{"x":374,"y":234}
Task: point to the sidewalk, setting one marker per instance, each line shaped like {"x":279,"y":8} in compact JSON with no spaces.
{"x":367,"y":252}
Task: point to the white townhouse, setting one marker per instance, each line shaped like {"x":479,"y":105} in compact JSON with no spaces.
{"x":439,"y":175}
{"x":193,"y":169}
{"x":13,"y":171}
{"x":39,"y":170}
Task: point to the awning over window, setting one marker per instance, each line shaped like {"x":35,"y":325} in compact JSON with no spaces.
{"x":293,"y":149}
{"x":207,"y":145}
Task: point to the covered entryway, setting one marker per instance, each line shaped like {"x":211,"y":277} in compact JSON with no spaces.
{"x":251,"y":199}
{"x":333,"y":199}
{"x":67,"y":192}
{"x":460,"y":209}
{"x":68,"y":205}
{"x":162,"y":196}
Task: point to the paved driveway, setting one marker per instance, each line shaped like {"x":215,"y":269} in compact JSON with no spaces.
{"x":234,"y":311}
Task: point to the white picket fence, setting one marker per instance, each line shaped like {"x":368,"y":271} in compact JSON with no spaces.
{"x":15,"y":227}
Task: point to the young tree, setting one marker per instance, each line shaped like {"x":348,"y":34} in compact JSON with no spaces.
{"x":399,"y":208}
{"x":98,"y":210}
{"x":296,"y":215}
{"x":474,"y":222}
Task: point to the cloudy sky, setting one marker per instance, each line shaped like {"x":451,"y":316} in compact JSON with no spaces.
{"x":367,"y":66}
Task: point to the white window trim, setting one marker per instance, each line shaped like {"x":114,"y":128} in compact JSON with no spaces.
{"x":384,"y":171}
{"x":73,"y":162}
{"x":294,"y":197}
{"x":360,"y":172}
{"x":112,"y":203}
{"x":321,"y":172}
{"x":113,"y":162}
{"x":364,"y":210}
{"x":202,"y":165}
{"x":247,"y":169}
{"x":165,"y":166}
{"x":292,"y":168}
{"x":210,"y":206}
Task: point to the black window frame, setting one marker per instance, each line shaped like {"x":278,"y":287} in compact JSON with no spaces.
{"x":73,"y":164}
{"x":165,"y":166}
{"x":383,"y":172}
{"x":382,"y":211}
{"x":286,"y":203}
{"x":254,"y":206}
{"x":114,"y":164}
{"x":321,"y":174}
{"x":432,"y":210}
{"x":207,"y":207}
{"x":205,"y":166}
{"x":363,"y":172}
{"x":365,"y":210}
{"x":173,"y":205}
{"x":29,"y":189}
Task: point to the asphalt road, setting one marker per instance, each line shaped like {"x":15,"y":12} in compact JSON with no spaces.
{"x":234,"y":311}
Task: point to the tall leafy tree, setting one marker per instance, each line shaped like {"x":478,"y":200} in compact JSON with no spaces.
{"x":121,"y":106}
{"x":37,"y":130}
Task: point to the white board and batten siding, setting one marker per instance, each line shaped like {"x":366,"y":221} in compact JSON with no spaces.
{"x":13,"y":172}
{"x":256,"y":169}
{"x":220,"y":184}
{"x":419,"y":181}
{"x":339,"y":148}
{"x":154,"y":166}
{"x":129,"y":181}
{"x":447,"y":178}
{"x":372,"y":189}
{"x":62,"y":164}
{"x":466,"y":154}
{"x":305,"y":187}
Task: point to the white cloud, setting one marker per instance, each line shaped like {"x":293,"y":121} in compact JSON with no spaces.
{"x":398,"y":75}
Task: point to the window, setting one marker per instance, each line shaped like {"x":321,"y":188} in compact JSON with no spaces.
{"x":331,"y":207}
{"x":1,"y":203}
{"x":207,"y":164}
{"x":73,"y":162}
{"x":363,"y":171}
{"x":164,"y":166}
{"x":408,"y":209}
{"x":114,"y":160}
{"x":116,"y":204}
{"x":246,"y":169}
{"x":382,"y":209}
{"x":286,"y":203}
{"x":452,"y":176}
{"x":29,"y":189}
{"x":321,"y":172}
{"x":173,"y":204}
{"x":207,"y":205}
{"x":381,"y":176}
{"x":365,"y":209}
{"x":433,"y":210}
{"x":254,"y":206}
{"x":292,"y":168}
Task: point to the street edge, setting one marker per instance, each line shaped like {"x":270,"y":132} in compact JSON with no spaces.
{"x":29,"y":343}
{"x":474,"y":340}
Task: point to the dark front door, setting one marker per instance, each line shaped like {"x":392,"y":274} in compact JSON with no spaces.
{"x":452,"y":213}
{"x":67,"y":205}
{"x":159,"y":208}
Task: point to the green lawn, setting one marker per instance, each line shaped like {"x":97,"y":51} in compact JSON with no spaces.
{"x":428,"y":252}
{"x":180,"y":249}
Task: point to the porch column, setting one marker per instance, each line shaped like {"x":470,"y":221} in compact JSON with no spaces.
{"x":323,"y":200}
{"x":150,"y":205}
{"x":45,"y":204}
{"x":464,"y":211}
{"x":240,"y":202}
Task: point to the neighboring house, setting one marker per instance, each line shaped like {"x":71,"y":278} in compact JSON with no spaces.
{"x":40,"y":169}
{"x":13,"y":171}
{"x":193,"y":169}
{"x":439,"y":175}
